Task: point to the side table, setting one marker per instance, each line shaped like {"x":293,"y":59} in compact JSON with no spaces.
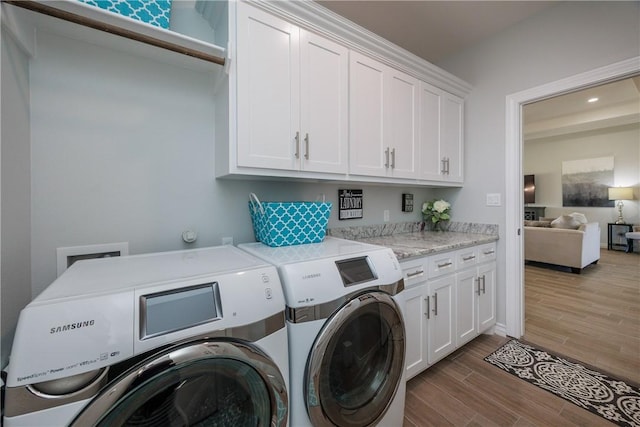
{"x":615,"y":236}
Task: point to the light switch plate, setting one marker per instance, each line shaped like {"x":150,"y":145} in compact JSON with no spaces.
{"x":494,"y":199}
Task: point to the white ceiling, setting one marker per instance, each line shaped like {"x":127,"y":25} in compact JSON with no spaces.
{"x":434,"y":30}
{"x":618,"y":104}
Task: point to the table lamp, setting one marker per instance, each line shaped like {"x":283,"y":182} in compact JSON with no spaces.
{"x":620,"y":194}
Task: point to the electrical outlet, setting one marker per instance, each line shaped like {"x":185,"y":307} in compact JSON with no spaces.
{"x":227,"y":240}
{"x":386,"y":215}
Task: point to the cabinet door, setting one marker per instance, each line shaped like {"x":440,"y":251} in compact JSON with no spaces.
{"x":366,"y":113}
{"x":466,"y":314}
{"x":400,"y":125}
{"x":416,"y":329}
{"x":267,"y":90}
{"x":451,"y":142}
{"x":324,"y":82}
{"x":487,"y":297}
{"x":441,"y":320}
{"x":429,"y":133}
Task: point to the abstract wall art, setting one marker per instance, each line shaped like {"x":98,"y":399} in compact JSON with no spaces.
{"x":585,"y":182}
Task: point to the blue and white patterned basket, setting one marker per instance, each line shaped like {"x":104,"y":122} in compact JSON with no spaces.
{"x":289,"y":223}
{"x":154,"y":12}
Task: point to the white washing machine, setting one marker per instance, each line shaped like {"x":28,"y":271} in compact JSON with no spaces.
{"x":346,"y":332}
{"x":192,"y":337}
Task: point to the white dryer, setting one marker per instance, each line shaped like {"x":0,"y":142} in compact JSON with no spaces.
{"x":173,"y":338}
{"x":346,"y":332}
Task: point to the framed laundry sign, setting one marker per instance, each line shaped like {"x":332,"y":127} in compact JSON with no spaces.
{"x":349,"y":204}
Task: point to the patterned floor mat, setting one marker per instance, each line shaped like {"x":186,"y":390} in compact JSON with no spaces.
{"x":608,"y":397}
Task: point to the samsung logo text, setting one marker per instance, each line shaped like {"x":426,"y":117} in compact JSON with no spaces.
{"x":71,"y":326}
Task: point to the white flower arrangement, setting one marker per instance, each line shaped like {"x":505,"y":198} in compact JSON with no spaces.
{"x":436,"y":211}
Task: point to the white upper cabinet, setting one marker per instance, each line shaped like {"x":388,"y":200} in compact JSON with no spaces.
{"x":308,"y":96}
{"x":367,"y":149}
{"x":268,"y":90}
{"x":401,"y":123}
{"x":383,"y":119}
{"x":451,"y":138}
{"x":324,"y":104}
{"x":441,"y":142}
{"x":430,"y":113}
{"x":291,"y":96}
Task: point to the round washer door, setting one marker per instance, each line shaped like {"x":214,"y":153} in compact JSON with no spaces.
{"x":224,"y":382}
{"x":356,"y":363}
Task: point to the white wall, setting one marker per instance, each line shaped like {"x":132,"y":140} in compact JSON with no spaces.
{"x":15,"y":190}
{"x":544,"y":158}
{"x":562,"y":41}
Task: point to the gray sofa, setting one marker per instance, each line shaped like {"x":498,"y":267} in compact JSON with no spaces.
{"x":574,"y":248}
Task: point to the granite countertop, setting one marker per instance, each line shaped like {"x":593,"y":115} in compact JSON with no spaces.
{"x":422,"y":243}
{"x":407,"y":241}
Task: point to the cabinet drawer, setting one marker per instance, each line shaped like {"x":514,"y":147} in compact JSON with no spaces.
{"x":441,"y":264}
{"x":486,"y":252}
{"x":414,"y":272}
{"x":466,"y":257}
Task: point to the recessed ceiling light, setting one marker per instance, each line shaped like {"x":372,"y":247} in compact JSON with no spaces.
{"x":594,"y":99}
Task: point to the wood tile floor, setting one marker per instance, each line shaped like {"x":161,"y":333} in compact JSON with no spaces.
{"x":593,"y":317}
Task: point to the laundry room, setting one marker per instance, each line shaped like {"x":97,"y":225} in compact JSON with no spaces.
{"x":151,"y":146}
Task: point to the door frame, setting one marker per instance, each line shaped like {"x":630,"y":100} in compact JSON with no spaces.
{"x":514,"y":247}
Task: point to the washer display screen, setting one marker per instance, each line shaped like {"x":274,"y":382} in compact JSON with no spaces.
{"x":355,"y":270}
{"x":179,"y":309}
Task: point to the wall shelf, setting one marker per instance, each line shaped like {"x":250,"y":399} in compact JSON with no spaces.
{"x":56,"y":15}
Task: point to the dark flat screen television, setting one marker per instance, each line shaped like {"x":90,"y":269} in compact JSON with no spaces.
{"x":529,"y":189}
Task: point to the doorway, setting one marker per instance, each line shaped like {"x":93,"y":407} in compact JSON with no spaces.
{"x":513,"y":173}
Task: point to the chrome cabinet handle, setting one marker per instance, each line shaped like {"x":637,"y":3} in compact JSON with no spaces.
{"x":393,"y":158}
{"x":386,"y":155}
{"x":306,"y":146}
{"x":428,"y":307}
{"x":297,"y":153}
{"x":435,"y":304}
{"x":415,"y":273}
{"x":445,"y":264}
{"x":490,"y":252}
{"x":468,"y":258}
{"x":445,"y":166}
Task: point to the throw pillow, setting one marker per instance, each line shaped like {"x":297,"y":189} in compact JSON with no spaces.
{"x":581,"y":218}
{"x":565,"y":221}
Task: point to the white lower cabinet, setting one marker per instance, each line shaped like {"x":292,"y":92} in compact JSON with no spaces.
{"x":449,"y":300}
{"x":441,"y":317}
{"x":416,"y":329}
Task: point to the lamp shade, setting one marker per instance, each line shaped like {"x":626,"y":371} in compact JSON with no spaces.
{"x":620,"y":193}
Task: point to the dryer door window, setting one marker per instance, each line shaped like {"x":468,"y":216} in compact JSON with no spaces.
{"x":356,"y":363}
{"x":208,"y":383}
